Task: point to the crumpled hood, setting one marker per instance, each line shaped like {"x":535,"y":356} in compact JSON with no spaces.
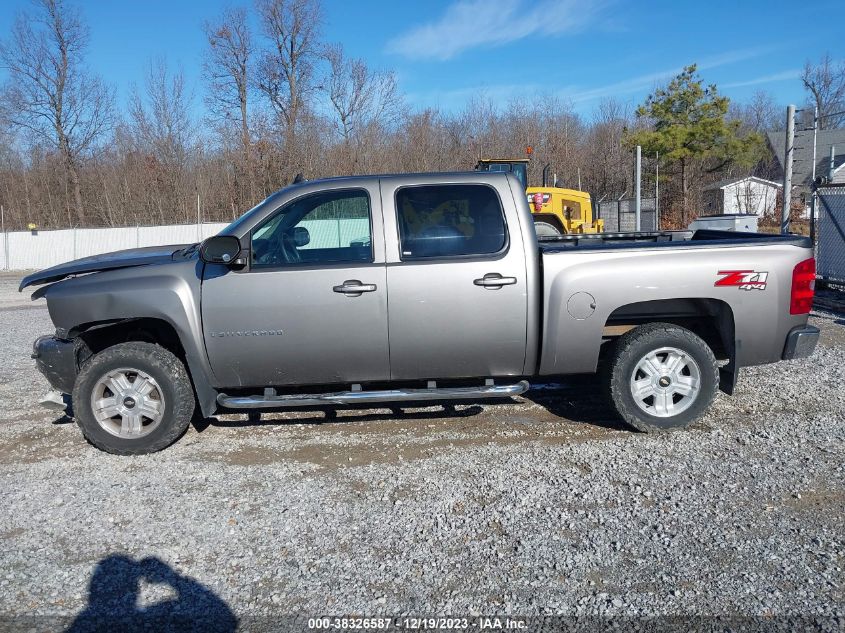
{"x":106,"y":261}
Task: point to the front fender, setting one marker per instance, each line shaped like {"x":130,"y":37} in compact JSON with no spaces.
{"x":169,"y":292}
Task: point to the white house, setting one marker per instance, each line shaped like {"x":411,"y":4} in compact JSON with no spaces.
{"x":750,"y":195}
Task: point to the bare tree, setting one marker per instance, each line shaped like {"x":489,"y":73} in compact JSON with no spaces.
{"x":286,"y":71}
{"x":359,"y":97}
{"x":266,"y":90}
{"x":163,"y":132}
{"x":228,"y":70}
{"x":825,"y":82}
{"x":49,"y":94}
{"x":607,"y":170}
{"x":761,"y":114}
{"x":161,"y":115}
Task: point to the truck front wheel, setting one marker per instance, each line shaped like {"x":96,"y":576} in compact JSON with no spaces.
{"x":133,"y":398}
{"x":661,"y":377}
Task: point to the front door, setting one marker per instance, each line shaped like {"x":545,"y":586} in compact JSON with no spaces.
{"x":458,"y":295}
{"x":312,"y":306}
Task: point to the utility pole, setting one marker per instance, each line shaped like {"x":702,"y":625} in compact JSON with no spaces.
{"x":815,"y":137}
{"x":657,"y":191}
{"x":789,"y":157}
{"x":637,"y":177}
{"x":5,"y":239}
{"x":813,"y":179}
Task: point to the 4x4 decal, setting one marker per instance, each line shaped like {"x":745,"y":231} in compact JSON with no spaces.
{"x":743,"y":279}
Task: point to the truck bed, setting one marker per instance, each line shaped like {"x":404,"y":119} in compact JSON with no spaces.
{"x":589,"y":281}
{"x":699,"y":238}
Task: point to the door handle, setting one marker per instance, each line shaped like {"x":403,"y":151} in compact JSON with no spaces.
{"x":494,"y":280}
{"x":354,"y":288}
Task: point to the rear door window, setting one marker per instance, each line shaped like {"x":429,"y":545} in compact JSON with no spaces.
{"x":437,"y":221}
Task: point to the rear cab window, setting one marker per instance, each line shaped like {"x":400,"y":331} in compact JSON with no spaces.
{"x":445,"y":221}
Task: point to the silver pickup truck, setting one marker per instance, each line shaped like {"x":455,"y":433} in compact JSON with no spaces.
{"x":408,"y":289}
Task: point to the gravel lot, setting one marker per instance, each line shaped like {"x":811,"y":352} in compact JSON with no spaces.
{"x":546,"y":505}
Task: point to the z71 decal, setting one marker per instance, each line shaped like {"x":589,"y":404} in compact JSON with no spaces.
{"x":743,"y":279}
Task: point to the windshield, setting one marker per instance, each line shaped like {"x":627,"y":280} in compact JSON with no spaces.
{"x":233,"y":228}
{"x":520,"y":170}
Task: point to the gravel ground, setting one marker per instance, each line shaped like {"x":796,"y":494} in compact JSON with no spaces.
{"x":547,"y":505}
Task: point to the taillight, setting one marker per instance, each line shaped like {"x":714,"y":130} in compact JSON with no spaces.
{"x":803,"y":287}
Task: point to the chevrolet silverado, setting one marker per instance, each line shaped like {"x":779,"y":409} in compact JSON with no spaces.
{"x":411,"y":289}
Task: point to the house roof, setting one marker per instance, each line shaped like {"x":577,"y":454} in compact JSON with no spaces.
{"x":802,"y":168}
{"x":737,"y":179}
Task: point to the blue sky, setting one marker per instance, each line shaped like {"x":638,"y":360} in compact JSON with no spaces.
{"x":444,"y":51}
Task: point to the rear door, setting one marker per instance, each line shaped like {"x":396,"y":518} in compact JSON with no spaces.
{"x":456,"y":276}
{"x":311,"y":308}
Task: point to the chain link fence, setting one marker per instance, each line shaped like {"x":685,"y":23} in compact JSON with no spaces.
{"x":830,"y":234}
{"x":620,"y":215}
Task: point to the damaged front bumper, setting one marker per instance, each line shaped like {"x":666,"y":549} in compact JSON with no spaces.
{"x":56,"y":360}
{"x":55,"y":400}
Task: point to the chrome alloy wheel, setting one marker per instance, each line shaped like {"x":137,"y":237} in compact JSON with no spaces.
{"x":665,"y":382}
{"x":127,"y":403}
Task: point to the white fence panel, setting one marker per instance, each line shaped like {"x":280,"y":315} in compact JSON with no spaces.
{"x":163,"y":235}
{"x":212,"y":228}
{"x":24,"y":250}
{"x":97,"y":241}
{"x":354,"y":231}
{"x":336,"y":233}
{"x":41,"y":249}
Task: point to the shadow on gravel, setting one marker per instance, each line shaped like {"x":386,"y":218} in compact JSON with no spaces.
{"x":115,"y":589}
{"x":579,"y":399}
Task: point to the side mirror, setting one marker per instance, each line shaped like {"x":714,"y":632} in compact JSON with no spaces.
{"x":220,"y":249}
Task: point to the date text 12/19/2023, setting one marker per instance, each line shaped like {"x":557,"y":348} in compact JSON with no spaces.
{"x":479,"y":623}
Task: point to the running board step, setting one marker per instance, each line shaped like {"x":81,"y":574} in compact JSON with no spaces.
{"x":270,"y":401}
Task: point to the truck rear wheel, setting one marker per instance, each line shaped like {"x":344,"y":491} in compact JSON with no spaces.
{"x":133,"y":398}
{"x":661,"y":377}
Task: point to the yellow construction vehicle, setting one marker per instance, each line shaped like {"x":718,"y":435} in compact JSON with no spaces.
{"x":557,"y":211}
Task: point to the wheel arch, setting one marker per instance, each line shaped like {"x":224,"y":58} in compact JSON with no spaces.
{"x":97,"y":336}
{"x":710,"y":319}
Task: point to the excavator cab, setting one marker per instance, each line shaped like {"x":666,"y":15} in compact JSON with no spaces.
{"x":557,"y":211}
{"x":516,"y":166}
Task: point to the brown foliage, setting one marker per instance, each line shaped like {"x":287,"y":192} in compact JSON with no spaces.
{"x":279,"y":101}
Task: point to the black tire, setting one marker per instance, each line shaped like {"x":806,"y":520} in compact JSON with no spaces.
{"x":172,"y":380}
{"x":544,"y":229}
{"x":631,"y":348}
